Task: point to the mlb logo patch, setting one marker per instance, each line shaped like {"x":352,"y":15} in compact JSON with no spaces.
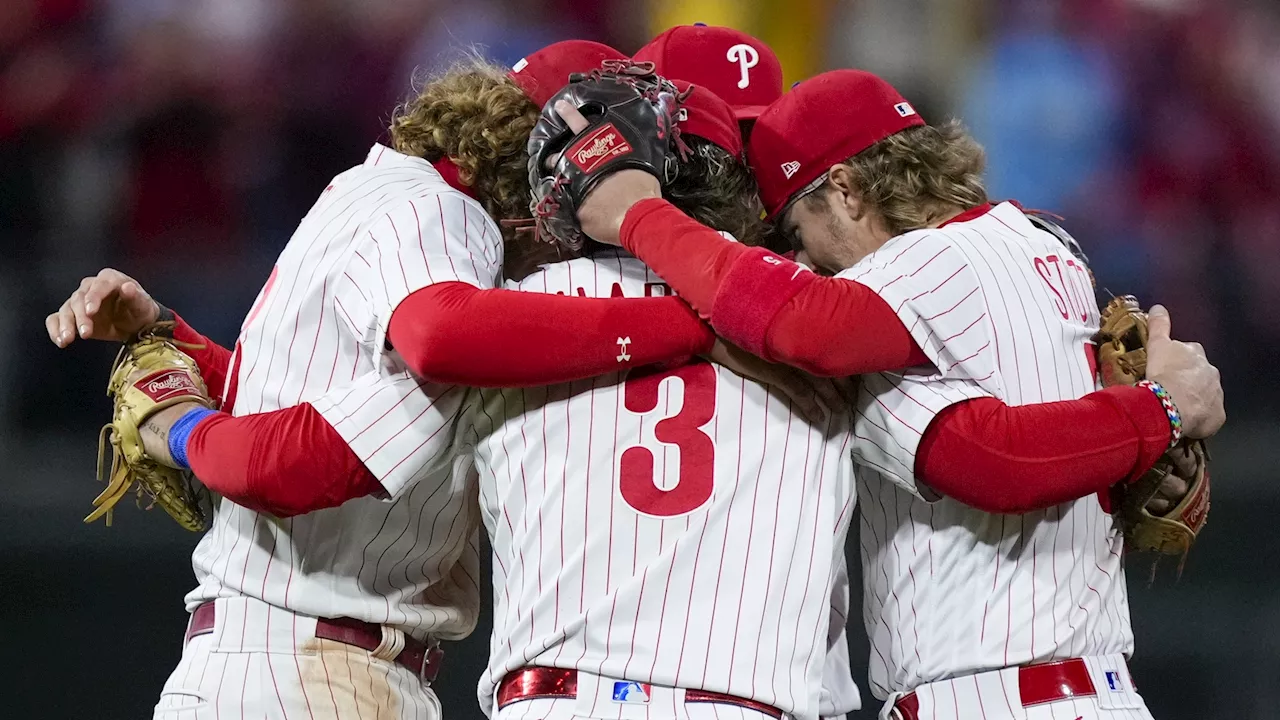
{"x":625,"y":691}
{"x":683,"y":115}
{"x":1113,"y":681}
{"x":905,"y":109}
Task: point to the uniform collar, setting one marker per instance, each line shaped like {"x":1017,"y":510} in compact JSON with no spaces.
{"x":972,"y":213}
{"x":380,"y":155}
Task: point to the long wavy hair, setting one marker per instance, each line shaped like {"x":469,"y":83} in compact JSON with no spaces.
{"x":916,"y":176}
{"x":473,"y":114}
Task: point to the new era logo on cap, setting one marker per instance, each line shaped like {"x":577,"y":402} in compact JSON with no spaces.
{"x":905,"y":109}
{"x":790,"y":168}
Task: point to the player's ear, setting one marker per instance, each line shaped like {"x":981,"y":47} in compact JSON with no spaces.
{"x":848,"y":196}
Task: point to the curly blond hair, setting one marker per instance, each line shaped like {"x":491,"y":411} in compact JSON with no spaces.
{"x":917,"y":176}
{"x":473,"y":114}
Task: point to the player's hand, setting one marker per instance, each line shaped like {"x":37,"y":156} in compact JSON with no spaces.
{"x":814,"y":398}
{"x":107,"y":306}
{"x":1183,"y":370}
{"x":607,"y":204}
{"x":1175,"y":485}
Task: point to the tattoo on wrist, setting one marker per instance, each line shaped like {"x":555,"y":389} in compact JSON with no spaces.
{"x":160,"y":432}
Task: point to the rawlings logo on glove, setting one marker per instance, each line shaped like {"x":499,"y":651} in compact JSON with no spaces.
{"x":601,"y":145}
{"x":168,"y":384}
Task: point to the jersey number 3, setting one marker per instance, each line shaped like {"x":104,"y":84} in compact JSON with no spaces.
{"x":692,"y":490}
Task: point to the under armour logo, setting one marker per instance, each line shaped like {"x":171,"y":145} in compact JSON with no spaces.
{"x":747,"y":58}
{"x":623,"y":355}
{"x":790,"y":168}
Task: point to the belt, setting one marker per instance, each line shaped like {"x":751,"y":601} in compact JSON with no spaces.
{"x":422,"y":659}
{"x":1037,"y":684}
{"x":542,"y":682}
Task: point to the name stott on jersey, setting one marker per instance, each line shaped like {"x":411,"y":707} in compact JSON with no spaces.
{"x":316,"y":334}
{"x":1002,"y":310}
{"x":614,"y":502}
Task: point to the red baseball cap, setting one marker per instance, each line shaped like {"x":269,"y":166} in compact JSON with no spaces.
{"x":543,"y":73}
{"x":742,"y":70}
{"x":704,"y":114}
{"x":824,"y":121}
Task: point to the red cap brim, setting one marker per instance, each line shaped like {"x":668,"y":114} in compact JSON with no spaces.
{"x":748,"y":112}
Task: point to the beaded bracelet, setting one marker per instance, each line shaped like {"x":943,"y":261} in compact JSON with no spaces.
{"x":1175,"y":417}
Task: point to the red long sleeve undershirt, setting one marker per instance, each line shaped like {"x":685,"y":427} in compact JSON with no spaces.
{"x":286,"y":462}
{"x":1003,"y":459}
{"x":212,"y":359}
{"x":458,"y":334}
{"x":766,"y":303}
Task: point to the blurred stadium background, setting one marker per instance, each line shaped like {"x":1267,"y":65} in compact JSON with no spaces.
{"x":181,"y":140}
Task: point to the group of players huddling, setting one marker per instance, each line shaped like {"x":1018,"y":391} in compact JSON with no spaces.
{"x":648,"y":429}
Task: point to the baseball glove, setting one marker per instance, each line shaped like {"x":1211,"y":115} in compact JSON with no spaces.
{"x":149,"y":375}
{"x":631,"y":113}
{"x":1122,"y":360}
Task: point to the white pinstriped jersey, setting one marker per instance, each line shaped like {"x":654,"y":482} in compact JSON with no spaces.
{"x":1002,"y":310}
{"x":676,"y":527}
{"x":316,"y":334}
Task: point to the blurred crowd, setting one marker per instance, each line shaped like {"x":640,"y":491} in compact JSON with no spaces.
{"x":182,"y":140}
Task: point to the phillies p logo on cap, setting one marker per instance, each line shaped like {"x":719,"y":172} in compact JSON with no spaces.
{"x":747,"y":58}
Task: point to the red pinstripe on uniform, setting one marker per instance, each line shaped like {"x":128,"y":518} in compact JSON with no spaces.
{"x":986,"y":294}
{"x":658,"y":597}
{"x":359,"y":251}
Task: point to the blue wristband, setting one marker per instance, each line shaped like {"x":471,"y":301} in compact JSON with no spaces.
{"x":181,"y":431}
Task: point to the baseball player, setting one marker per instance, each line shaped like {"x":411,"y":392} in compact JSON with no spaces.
{"x":340,"y":611}
{"x":999,"y":591}
{"x":666,"y":542}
